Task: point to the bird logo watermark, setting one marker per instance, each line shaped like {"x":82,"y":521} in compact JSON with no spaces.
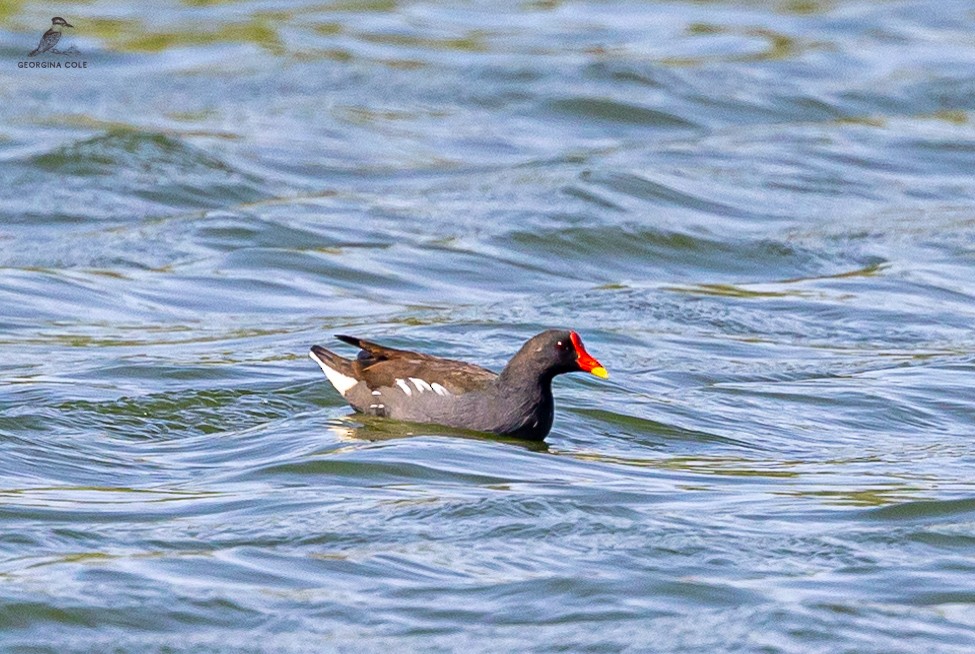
{"x":41,"y":55}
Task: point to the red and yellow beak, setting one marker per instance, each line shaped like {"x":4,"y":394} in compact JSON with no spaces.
{"x":587,"y":363}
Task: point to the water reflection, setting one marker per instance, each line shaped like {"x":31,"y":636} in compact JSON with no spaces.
{"x":358,"y":427}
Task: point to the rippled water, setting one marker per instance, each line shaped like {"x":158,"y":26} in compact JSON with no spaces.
{"x":759,"y":216}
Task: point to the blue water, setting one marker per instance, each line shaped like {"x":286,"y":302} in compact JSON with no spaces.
{"x":759,"y":217}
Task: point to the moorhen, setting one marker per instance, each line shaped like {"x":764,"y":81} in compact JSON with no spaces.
{"x":413,"y":387}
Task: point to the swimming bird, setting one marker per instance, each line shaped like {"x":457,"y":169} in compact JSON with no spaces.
{"x":413,"y":387}
{"x":51,"y":37}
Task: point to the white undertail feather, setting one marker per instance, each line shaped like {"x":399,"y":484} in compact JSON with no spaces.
{"x":421,"y":385}
{"x":342,"y":383}
{"x":406,"y":387}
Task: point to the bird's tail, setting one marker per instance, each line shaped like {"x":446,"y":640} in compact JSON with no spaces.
{"x":330,"y":359}
{"x":338,"y":369}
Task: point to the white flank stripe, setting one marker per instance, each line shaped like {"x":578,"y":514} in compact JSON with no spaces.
{"x":406,"y":387}
{"x":439,"y":390}
{"x":342,"y":383}
{"x":420,"y":384}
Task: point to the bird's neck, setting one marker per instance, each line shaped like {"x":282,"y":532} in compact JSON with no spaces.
{"x":522,"y":374}
{"x":527,"y":402}
{"x":528,"y":387}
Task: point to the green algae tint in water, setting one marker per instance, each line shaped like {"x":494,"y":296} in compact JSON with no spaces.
{"x":760,"y":219}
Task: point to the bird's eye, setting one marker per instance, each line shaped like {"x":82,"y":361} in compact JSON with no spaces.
{"x":564,"y":346}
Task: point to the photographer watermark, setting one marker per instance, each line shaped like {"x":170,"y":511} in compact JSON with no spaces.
{"x":41,"y":56}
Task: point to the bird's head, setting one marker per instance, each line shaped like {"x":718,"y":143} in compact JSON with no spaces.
{"x":555,"y":352}
{"x":57,"y":20}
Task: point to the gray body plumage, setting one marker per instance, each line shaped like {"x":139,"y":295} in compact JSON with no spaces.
{"x":523,"y":411}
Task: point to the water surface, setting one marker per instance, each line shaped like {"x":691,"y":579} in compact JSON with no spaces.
{"x":758,"y":215}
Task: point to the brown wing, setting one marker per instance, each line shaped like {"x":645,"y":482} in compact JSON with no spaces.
{"x":379,"y":366}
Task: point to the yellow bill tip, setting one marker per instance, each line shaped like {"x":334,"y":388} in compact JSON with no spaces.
{"x":599,"y":371}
